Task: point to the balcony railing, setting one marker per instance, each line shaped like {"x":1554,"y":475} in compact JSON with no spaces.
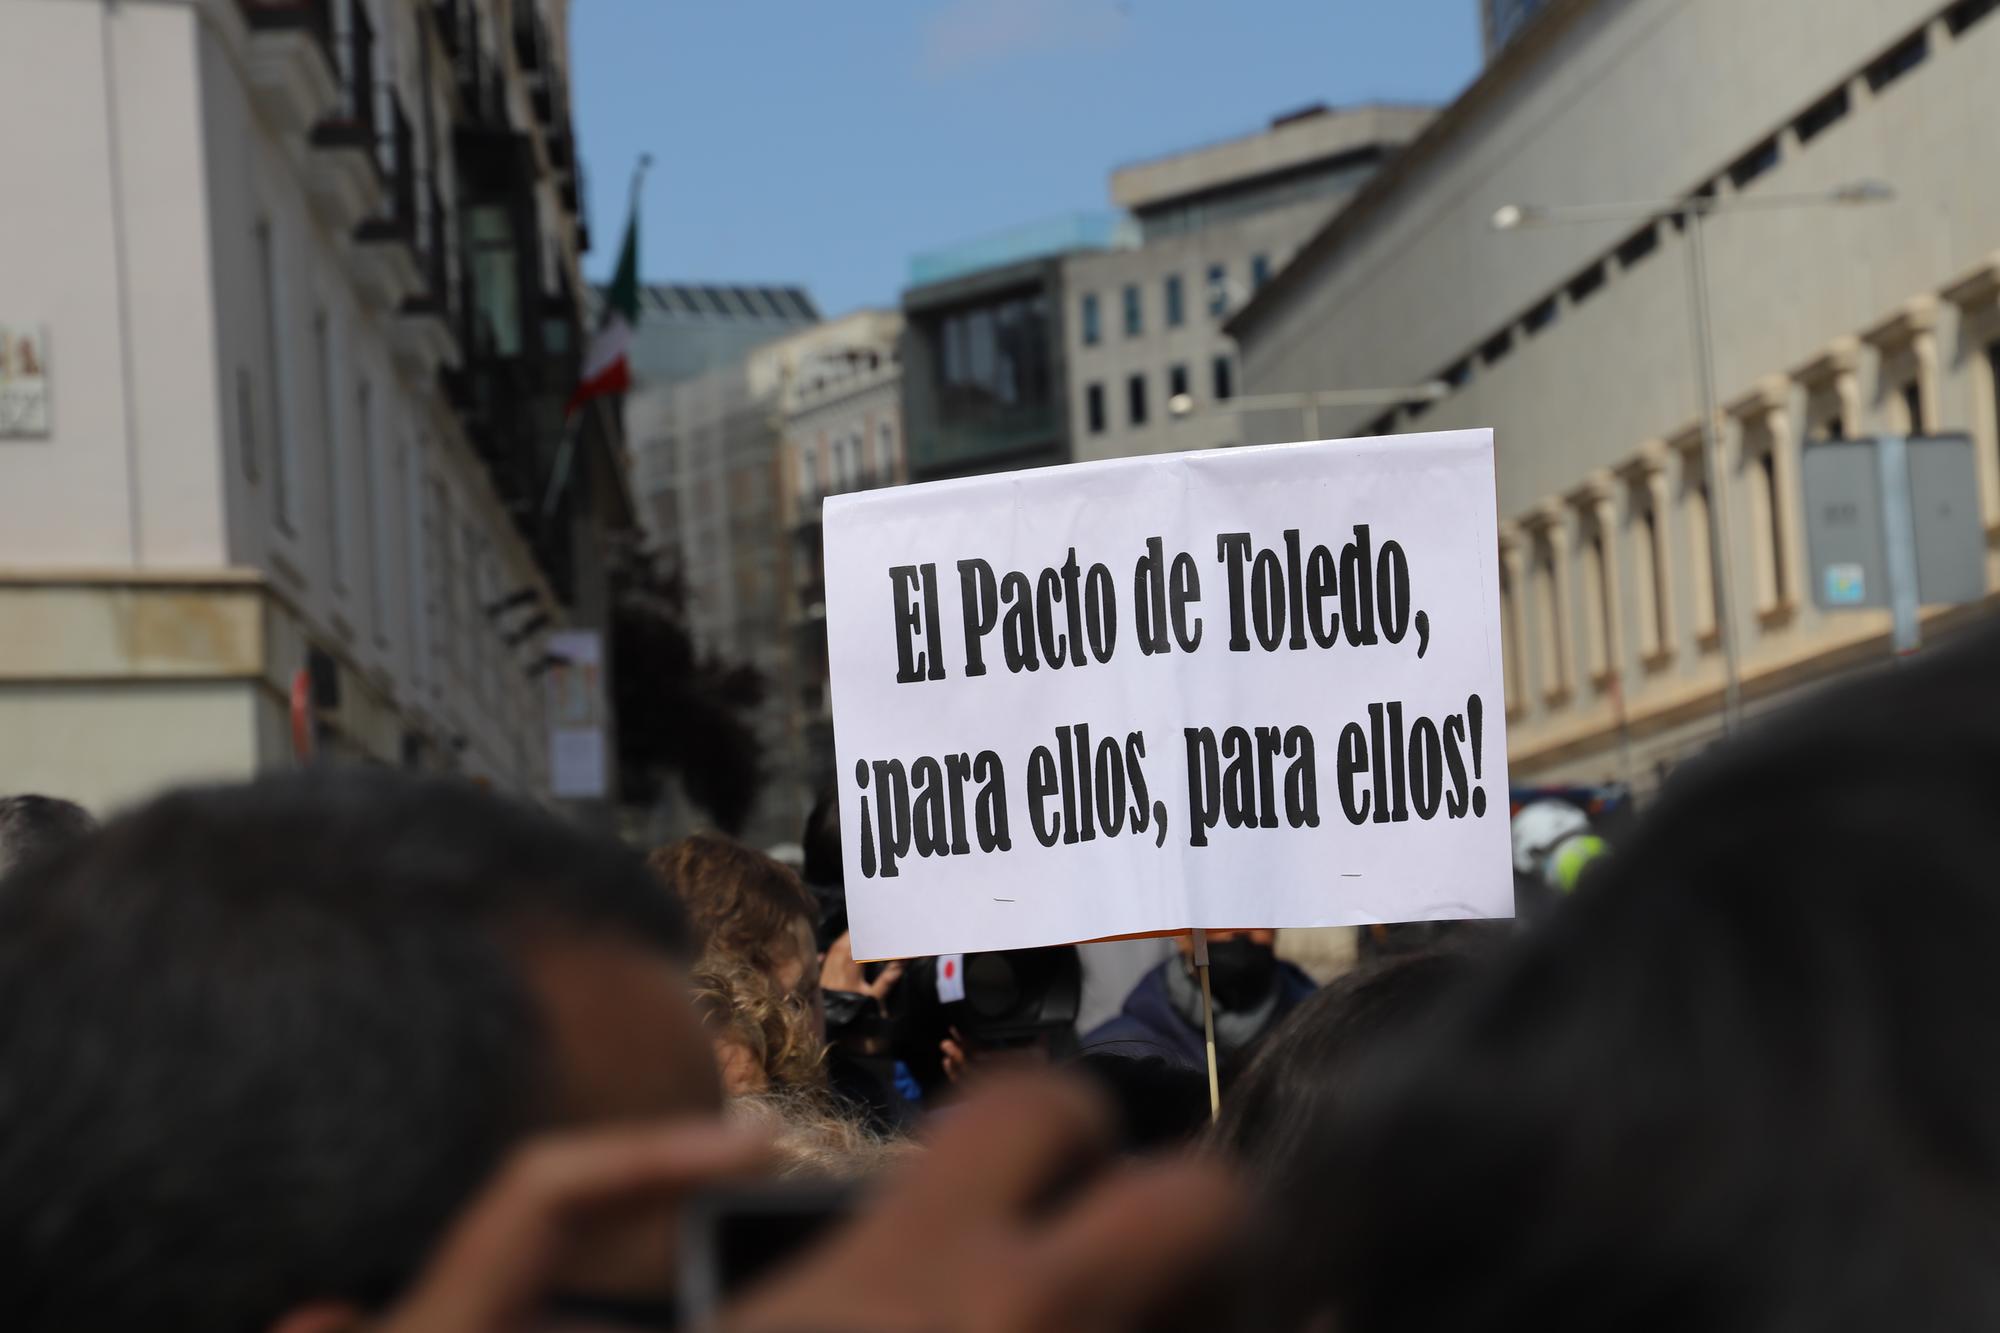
{"x":452,"y":24}
{"x":353,"y":123}
{"x":531,"y":37}
{"x":396,"y":157}
{"x":312,"y":17}
{"x":475,"y":69}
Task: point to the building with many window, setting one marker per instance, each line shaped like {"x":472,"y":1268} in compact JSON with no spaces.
{"x":842,"y":406}
{"x":986,"y":384}
{"x":689,"y":328}
{"x":1213,"y":224}
{"x":1573,"y":342}
{"x":717,"y":489}
{"x":303,"y":277}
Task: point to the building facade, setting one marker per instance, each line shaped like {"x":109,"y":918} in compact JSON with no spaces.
{"x":986,"y":384}
{"x":1573,"y":342}
{"x":1501,"y":21}
{"x":842,"y":406}
{"x":689,"y":328}
{"x":1213,"y":225}
{"x":717,"y":496}
{"x":305,"y":273}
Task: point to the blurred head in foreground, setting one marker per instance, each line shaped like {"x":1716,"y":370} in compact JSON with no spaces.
{"x":1748,"y":1078}
{"x":260,"y":1043}
{"x":1275,"y":1116}
{"x":32,"y":826}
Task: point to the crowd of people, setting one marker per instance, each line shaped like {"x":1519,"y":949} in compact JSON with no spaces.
{"x":346,"y":1049}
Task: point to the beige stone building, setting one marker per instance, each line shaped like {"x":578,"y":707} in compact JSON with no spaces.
{"x":1573,"y":342}
{"x":1209,"y":226}
{"x":305,"y":276}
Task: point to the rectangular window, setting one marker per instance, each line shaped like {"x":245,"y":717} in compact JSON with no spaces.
{"x":1135,"y":400}
{"x":1754,"y":163}
{"x":1093,"y":330}
{"x":1218,"y":290}
{"x":328,"y":370}
{"x":885,"y":454}
{"x":1540,"y":316}
{"x":808,"y":473}
{"x":1701,"y":558}
{"x":1638,"y":245}
{"x":1913,"y":409}
{"x":1648,"y":561}
{"x":1549,"y":610}
{"x":373,"y":530}
{"x":1093,"y":408}
{"x":1177,"y":380}
{"x":1133,"y":322}
{"x":1586,"y":283}
{"x":1821,"y":115}
{"x":284,"y":479}
{"x":496,"y":282}
{"x":1993,"y":388}
{"x":246,"y":421}
{"x":1176,"y":306}
{"x":1510,"y":642}
{"x":1260,"y":271}
{"x":1224,"y":389}
{"x":1770,"y":509}
{"x":1899,"y":60}
{"x":1600,"y":628}
{"x":1968,"y":12}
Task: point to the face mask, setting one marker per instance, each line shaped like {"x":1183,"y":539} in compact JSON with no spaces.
{"x":1241,"y":972}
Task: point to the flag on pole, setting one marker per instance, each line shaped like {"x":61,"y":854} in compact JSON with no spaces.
{"x":607,"y":366}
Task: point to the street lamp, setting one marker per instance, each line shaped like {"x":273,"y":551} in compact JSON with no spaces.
{"x":1312,"y":400}
{"x":1691,"y":212}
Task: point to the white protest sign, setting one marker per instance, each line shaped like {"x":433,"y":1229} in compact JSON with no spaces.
{"x":1246,"y":687}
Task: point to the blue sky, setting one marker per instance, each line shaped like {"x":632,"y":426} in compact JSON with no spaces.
{"x":823,"y":143}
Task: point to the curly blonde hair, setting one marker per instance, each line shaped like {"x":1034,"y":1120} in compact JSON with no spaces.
{"x":742,"y":1004}
{"x":816,"y":1139}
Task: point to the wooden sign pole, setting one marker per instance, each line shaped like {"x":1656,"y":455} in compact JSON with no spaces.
{"x":1208,"y":1023}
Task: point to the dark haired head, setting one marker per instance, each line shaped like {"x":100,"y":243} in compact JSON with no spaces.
{"x":1275,"y":1115}
{"x":824,"y":875}
{"x":1161,"y":1105}
{"x":259,"y":1043}
{"x":1747,"y":1079}
{"x":33,"y":826}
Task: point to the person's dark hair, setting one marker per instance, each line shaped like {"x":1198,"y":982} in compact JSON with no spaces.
{"x":32,"y":826}
{"x":260,"y":1043}
{"x":1275,"y":1114}
{"x":742,"y":902}
{"x":822,"y":841}
{"x":1749,"y":1078}
{"x":825,"y":876}
{"x":1161,"y":1105}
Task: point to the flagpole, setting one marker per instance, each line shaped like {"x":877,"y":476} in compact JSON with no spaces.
{"x":566,"y":449}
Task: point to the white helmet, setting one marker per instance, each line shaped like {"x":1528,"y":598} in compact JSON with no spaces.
{"x":1540,"y":828}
